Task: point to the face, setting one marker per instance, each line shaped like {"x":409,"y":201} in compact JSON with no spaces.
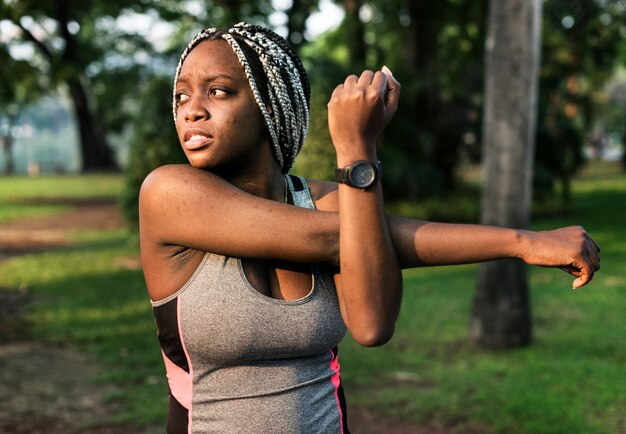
{"x":218,"y":122}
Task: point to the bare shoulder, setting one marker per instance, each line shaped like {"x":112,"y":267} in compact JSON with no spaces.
{"x":177,"y":185}
{"x":170,"y":177}
{"x":324,"y":194}
{"x":159,"y":181}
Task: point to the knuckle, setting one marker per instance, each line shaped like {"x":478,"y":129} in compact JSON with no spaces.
{"x":372,"y":94}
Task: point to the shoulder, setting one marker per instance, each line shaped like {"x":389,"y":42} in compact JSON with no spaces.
{"x":324,"y":194}
{"x":177,"y":182}
{"x":170,"y":174}
{"x":161,"y":183}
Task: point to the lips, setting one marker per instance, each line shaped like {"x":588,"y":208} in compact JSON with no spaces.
{"x":196,"y":140}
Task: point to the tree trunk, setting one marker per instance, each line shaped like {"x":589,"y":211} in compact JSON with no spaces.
{"x":7,"y":146}
{"x":297,"y":15}
{"x":501,"y":314}
{"x":95,"y":151}
{"x":355,"y":33}
{"x":420,"y":53}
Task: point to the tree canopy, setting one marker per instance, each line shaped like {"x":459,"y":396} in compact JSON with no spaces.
{"x":104,"y":53}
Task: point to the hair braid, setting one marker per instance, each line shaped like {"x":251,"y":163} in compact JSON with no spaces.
{"x":273,"y":68}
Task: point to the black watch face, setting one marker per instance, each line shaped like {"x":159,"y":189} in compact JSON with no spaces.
{"x":362,"y":175}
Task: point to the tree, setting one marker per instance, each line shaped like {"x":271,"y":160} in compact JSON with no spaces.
{"x":501,"y":313}
{"x":18,"y":87}
{"x":297,"y":15}
{"x":59,"y":32}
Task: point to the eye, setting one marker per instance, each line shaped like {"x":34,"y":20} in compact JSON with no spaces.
{"x":181,"y":97}
{"x":218,"y":91}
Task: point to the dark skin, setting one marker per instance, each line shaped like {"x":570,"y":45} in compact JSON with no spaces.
{"x":187,"y":210}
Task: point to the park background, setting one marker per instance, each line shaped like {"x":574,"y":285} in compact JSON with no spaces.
{"x":85,"y":114}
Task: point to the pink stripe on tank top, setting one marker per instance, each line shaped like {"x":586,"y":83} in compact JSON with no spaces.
{"x":179,"y":382}
{"x":335,"y":379}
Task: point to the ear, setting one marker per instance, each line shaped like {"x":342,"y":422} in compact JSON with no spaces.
{"x":269,"y":108}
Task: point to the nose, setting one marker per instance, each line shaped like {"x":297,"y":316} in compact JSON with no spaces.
{"x":196,"y":109}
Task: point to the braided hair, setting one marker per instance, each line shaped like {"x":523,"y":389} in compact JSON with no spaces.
{"x":276,"y":77}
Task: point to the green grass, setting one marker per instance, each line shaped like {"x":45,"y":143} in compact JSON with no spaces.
{"x":89,"y":300}
{"x":19,"y":194}
{"x":571,"y":380}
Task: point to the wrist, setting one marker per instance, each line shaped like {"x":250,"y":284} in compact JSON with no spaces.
{"x":352,"y":152}
{"x":522,"y":244}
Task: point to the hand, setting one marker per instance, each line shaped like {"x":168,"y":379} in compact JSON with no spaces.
{"x":358,"y":111}
{"x":570,"y":249}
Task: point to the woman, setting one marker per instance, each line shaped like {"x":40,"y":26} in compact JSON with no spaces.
{"x":248,"y":301}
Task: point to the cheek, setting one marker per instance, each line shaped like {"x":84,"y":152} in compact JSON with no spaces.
{"x":255,"y":122}
{"x":179,"y":127}
{"x":245,"y":123}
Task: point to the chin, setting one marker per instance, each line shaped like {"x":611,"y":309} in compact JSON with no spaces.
{"x":199,"y":163}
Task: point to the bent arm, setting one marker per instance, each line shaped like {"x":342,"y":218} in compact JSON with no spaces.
{"x":369,"y":287}
{"x":183,"y":206}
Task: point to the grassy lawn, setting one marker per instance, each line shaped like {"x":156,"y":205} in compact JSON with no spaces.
{"x":19,"y":194}
{"x":571,"y":380}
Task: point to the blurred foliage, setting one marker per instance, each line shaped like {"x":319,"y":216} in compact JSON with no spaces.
{"x":582,"y":42}
{"x":154,"y":142}
{"x":435,"y":49}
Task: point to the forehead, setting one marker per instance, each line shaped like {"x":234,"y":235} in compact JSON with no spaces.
{"x":212,"y":57}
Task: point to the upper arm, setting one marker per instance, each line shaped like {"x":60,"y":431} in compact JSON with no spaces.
{"x":183,"y":206}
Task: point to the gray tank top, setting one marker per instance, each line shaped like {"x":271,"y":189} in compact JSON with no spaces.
{"x":238,"y":361}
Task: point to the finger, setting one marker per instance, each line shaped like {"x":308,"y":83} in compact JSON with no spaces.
{"x":392,"y":95}
{"x":588,"y":237}
{"x":596,"y":245}
{"x":335,"y":93}
{"x":351,"y":80}
{"x":590,"y":249}
{"x":582,"y":281}
{"x":594,"y":258}
{"x":586,"y":274}
{"x":338,"y":89}
{"x":569,"y":269}
{"x":379,"y":82}
{"x":366,"y":78}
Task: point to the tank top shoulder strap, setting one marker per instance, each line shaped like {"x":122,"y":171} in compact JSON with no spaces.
{"x":300,"y":191}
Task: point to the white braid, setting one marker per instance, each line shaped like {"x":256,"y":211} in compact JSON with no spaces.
{"x":288,"y":121}
{"x":257,"y":96}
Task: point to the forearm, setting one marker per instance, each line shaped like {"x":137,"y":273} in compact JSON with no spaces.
{"x":421,"y":243}
{"x":371,"y":282}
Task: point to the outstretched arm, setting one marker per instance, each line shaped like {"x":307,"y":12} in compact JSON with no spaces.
{"x":183,"y":206}
{"x":421,"y":243}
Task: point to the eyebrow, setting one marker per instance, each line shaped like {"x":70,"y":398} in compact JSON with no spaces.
{"x":213,"y":77}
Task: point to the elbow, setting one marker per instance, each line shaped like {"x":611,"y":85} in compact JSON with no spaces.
{"x":374,"y":336}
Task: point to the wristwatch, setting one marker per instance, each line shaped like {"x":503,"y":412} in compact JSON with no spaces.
{"x":360,"y":174}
